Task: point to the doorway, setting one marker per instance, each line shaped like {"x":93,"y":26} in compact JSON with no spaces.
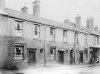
{"x":81,"y":56}
{"x":71,"y":56}
{"x":61,"y":56}
{"x":32,"y":55}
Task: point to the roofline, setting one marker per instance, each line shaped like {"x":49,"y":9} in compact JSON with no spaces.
{"x":60,"y":25}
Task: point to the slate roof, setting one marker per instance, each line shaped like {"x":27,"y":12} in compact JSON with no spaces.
{"x":45,"y":21}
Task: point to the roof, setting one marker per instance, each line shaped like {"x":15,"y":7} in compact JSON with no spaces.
{"x":29,"y":17}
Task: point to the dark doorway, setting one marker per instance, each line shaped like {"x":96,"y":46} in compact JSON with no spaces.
{"x":81,"y":57}
{"x":32,"y":55}
{"x":71,"y":56}
{"x":61,"y":56}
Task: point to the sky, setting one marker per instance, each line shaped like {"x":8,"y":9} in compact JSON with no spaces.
{"x":60,"y":10}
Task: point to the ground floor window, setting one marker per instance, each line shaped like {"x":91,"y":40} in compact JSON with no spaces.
{"x":53,"y":53}
{"x":18,"y":53}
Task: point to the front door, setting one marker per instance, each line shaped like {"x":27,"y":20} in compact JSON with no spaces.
{"x":32,"y":56}
{"x":81,"y":57}
{"x":61,"y":56}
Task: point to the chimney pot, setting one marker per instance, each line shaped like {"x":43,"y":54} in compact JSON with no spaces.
{"x":24,"y":9}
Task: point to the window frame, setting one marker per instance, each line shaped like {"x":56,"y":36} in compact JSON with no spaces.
{"x":19,"y":29}
{"x":52,"y":33}
{"x":64,"y":35}
{"x":17,"y":55}
{"x":37,"y":30}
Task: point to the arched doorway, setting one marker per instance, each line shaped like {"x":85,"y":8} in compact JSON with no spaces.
{"x":71,"y":56}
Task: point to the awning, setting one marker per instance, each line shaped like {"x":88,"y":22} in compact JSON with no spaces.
{"x":61,"y":49}
{"x":96,"y":46}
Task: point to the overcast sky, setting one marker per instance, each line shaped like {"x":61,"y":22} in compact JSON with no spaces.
{"x":59,"y":10}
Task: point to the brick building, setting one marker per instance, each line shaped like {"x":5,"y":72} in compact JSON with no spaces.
{"x":31,"y":39}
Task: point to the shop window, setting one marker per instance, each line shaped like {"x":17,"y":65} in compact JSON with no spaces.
{"x":18,"y":53}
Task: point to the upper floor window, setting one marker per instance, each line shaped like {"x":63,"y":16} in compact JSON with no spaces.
{"x":52,"y":33}
{"x":64,"y":35}
{"x":97,"y":40}
{"x":36,"y":30}
{"x":18,"y":29}
{"x":76,"y":37}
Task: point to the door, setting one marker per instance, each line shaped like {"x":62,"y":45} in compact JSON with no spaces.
{"x":81,"y":57}
{"x":61,"y":56}
{"x":71,"y":56}
{"x":32,"y":56}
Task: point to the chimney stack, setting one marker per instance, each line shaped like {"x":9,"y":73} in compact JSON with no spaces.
{"x":78,"y":21}
{"x":2,"y":7}
{"x":96,"y":29}
{"x":90,"y":23}
{"x":24,"y":9}
{"x":67,"y":22}
{"x":36,"y":8}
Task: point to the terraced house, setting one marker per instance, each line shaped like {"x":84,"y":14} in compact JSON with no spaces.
{"x":31,"y":39}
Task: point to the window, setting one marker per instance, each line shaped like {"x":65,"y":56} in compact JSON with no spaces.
{"x":64,"y":35}
{"x":52,"y":50}
{"x":52,"y":33}
{"x":36,"y":30}
{"x":97,"y":40}
{"x":76,"y":36}
{"x":18,"y":29}
{"x":18,"y":53}
{"x":41,"y":50}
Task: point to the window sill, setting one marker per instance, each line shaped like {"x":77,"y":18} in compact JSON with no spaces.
{"x":37,"y":39}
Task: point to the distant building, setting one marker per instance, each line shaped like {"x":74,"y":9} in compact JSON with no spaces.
{"x":30,"y":39}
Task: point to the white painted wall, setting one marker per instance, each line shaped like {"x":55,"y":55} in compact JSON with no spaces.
{"x":82,"y":39}
{"x":70,"y":36}
{"x":28,"y":30}
{"x":90,"y":40}
{"x":47,"y":28}
{"x":59,"y":35}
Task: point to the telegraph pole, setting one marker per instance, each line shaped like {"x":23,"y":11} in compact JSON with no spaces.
{"x":44,"y":46}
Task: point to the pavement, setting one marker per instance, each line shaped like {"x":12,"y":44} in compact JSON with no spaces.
{"x":58,"y":69}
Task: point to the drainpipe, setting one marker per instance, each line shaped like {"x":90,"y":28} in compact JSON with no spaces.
{"x":44,"y":46}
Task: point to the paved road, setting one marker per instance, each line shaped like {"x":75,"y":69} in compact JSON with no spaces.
{"x":59,"y":69}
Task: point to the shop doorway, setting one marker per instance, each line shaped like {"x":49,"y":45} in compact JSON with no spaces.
{"x":61,"y":56}
{"x":32,"y":55}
